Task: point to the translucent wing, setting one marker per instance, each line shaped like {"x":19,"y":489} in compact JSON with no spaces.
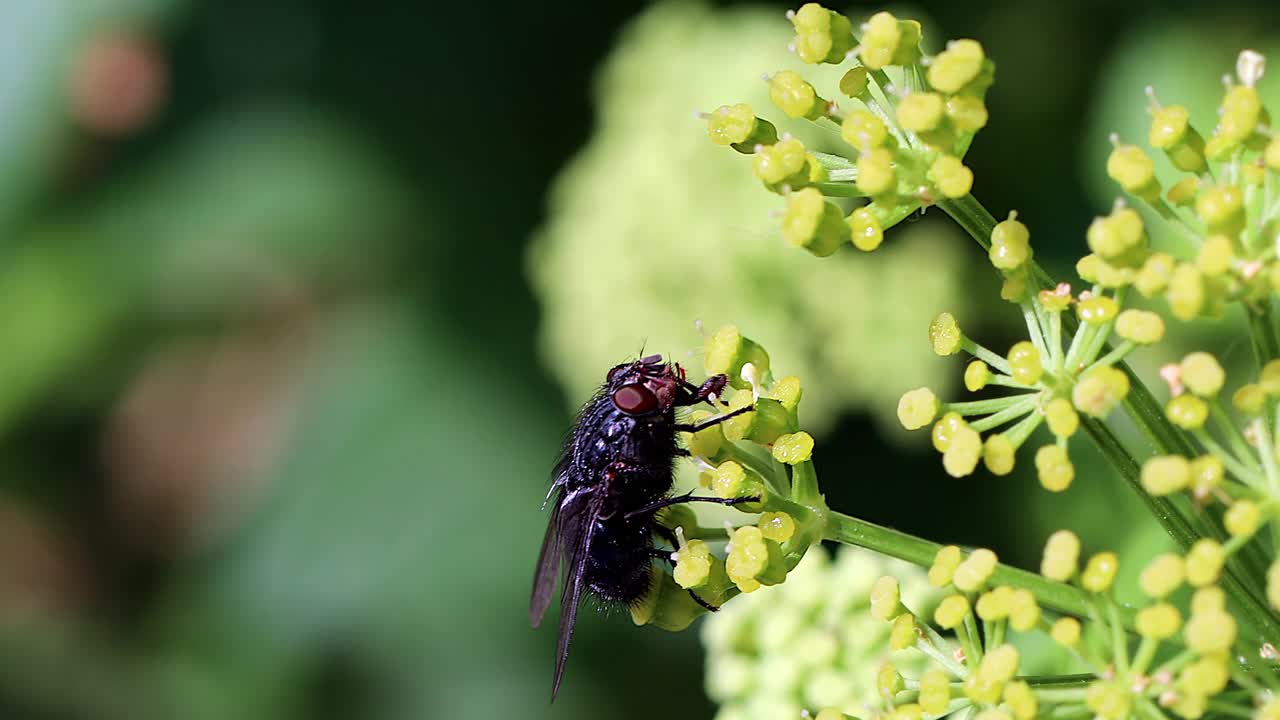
{"x":544,"y":578}
{"x":578,"y":514}
{"x":548,"y":569}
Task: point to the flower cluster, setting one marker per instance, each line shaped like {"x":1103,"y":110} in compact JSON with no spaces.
{"x":759,"y":454}
{"x":809,"y":645}
{"x":1224,"y":206}
{"x":1056,"y":377}
{"x":1179,"y":665}
{"x":1232,"y":467}
{"x":907,"y":120}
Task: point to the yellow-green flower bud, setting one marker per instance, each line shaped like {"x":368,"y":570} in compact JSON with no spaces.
{"x":1249,"y":399}
{"x":776,"y":526}
{"x":1215,"y":255}
{"x":1166,"y":474}
{"x":854,"y":82}
{"x":1208,"y":600}
{"x":1140,"y":326}
{"x":1242,"y":112}
{"x":1024,"y":611}
{"x":813,"y":223}
{"x":865,"y":230}
{"x":968,"y":114}
{"x":1204,"y":562}
{"x":1110,"y":700}
{"x":832,"y":714}
{"x":1172,"y":132}
{"x":864,"y":131}
{"x":1243,"y":518}
{"x":787,"y":391}
{"x":951,"y":177}
{"x":1270,"y":710}
{"x":963,"y":452}
{"x":1000,"y":663}
{"x":976,"y":375}
{"x":1061,"y":556}
{"x":1187,"y":411}
{"x":1100,"y":572}
{"x":944,"y":429}
{"x":1202,"y":374}
{"x":944,"y":566}
{"x":665,"y":605}
{"x":1054,"y":468}
{"x":1116,"y":237}
{"x":998,"y":455}
{"x":1061,"y":417}
{"x":1098,"y":310}
{"x":945,"y":335}
{"x":1155,"y":274}
{"x":994,"y":604}
{"x":727,"y":350}
{"x":1098,"y":391}
{"x":1066,"y":631}
{"x":1222,"y":208}
{"x":876,"y":175}
{"x":887,"y":40}
{"x":1158,"y":622}
{"x":693,"y":565}
{"x":957,"y":66}
{"x":974,"y":571}
{"x":935,"y":692}
{"x":739,"y":128}
{"x":951,"y":612}
{"x":1186,"y":291}
{"x":1206,"y":474}
{"x":917,"y":408}
{"x":1211,"y":632}
{"x":793,"y":448}
{"x":1010,"y":244}
{"x":794,"y":96}
{"x":904,"y":632}
{"x":886,"y":599}
{"x":1020,"y":700}
{"x":754,"y":560}
{"x":983,"y":689}
{"x":1184,"y":192}
{"x":1206,"y":676}
{"x":889,"y":681}
{"x":1014,"y":287}
{"x":785,"y":162}
{"x":1162,"y":575}
{"x":922,"y":112}
{"x":1025,"y":363}
{"x":822,"y":36}
{"x":1133,"y":170}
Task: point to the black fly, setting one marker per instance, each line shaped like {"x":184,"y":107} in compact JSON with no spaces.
{"x":614,"y":474}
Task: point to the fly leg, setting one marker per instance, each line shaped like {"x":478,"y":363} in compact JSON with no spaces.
{"x":691,"y":394}
{"x":711,"y":421}
{"x":688,"y":498}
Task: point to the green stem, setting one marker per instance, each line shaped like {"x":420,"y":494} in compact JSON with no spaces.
{"x":1263,"y":331}
{"x":1058,"y":596}
{"x":982,"y":407}
{"x":1004,"y":416}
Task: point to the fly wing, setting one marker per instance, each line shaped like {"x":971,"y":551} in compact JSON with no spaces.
{"x":544,"y":579}
{"x":579,"y":513}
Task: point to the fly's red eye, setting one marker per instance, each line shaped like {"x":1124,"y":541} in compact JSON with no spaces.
{"x":614,"y":372}
{"x":635,"y":399}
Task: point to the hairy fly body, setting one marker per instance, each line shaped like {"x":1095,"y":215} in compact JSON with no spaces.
{"x":614,"y":474}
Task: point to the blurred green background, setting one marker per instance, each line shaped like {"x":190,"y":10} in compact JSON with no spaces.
{"x":294,"y":310}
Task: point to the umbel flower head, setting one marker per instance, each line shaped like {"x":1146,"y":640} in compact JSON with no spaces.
{"x":906,"y":119}
{"x":810,"y":644}
{"x":651,"y":227}
{"x":761,"y":455}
